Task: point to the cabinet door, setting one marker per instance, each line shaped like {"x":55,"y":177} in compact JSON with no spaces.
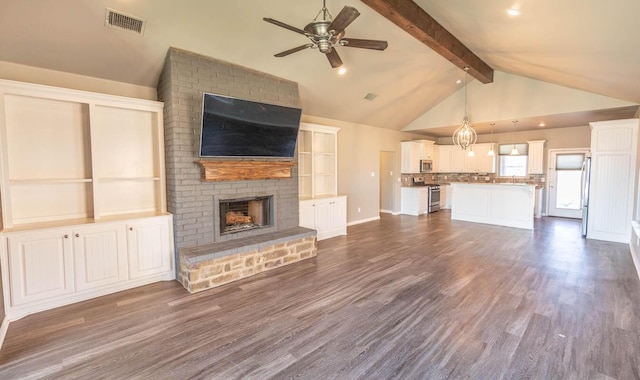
{"x":457,"y":159}
{"x":307,"y":215}
{"x":444,"y":159}
{"x":423,"y":200}
{"x":536,"y":157}
{"x":411,"y":155}
{"x":40,"y":266}
{"x":100,"y":256}
{"x":322,"y":218}
{"x":148,"y":247}
{"x":339,"y":216}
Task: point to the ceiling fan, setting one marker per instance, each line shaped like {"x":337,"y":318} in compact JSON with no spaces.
{"x":327,"y":33}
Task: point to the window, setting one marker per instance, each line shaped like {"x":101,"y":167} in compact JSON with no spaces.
{"x":513,"y":165}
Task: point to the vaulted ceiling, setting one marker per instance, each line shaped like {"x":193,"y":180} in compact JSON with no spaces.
{"x":584,"y":46}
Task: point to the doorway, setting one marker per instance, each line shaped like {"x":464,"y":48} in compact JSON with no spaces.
{"x":387,"y":185}
{"x":565,"y":182}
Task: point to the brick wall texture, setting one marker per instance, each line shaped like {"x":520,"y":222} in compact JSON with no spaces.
{"x":184,"y":79}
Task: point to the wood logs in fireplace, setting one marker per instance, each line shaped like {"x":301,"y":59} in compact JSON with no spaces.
{"x":235,"y":217}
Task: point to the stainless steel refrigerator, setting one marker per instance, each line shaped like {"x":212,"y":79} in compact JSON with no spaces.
{"x":586,"y":178}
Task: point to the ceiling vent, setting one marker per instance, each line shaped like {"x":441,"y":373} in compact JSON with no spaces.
{"x":123,"y":21}
{"x":370,"y":96}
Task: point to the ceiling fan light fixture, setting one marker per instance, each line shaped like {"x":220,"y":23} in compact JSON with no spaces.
{"x":513,"y":12}
{"x":342,"y":70}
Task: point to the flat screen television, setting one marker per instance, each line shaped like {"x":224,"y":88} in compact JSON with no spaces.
{"x":234,"y":127}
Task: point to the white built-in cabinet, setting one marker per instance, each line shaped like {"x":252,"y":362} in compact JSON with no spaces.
{"x":614,"y":147}
{"x":81,"y":175}
{"x":536,"y":157}
{"x":452,"y":159}
{"x":328,"y":216}
{"x":321,"y":208}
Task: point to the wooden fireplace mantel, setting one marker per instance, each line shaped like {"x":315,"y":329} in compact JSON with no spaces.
{"x":245,"y":170}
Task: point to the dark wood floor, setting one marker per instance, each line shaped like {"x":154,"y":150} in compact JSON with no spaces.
{"x":404,"y":297}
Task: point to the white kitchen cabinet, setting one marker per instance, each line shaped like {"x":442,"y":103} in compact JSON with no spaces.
{"x":148,"y":247}
{"x":414,"y":200}
{"x":444,"y":161}
{"x":51,"y":267}
{"x":613,"y":175}
{"x":452,"y":159}
{"x":411,"y":156}
{"x":481,"y":162}
{"x":100,"y":255}
{"x":536,"y":157}
{"x":428,"y":149}
{"x":317,"y":160}
{"x":445,"y":196}
{"x":328,"y":216}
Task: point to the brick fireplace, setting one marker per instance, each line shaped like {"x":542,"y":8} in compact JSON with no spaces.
{"x":200,"y":239}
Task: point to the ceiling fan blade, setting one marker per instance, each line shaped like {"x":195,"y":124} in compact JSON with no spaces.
{"x":283,"y":25}
{"x":334,"y":58}
{"x":364,"y":44}
{"x":343,"y":19}
{"x":294,"y":50}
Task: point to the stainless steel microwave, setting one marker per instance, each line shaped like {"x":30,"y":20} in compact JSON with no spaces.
{"x":426,"y":166}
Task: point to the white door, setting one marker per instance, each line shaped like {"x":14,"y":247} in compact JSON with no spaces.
{"x":565,"y":183}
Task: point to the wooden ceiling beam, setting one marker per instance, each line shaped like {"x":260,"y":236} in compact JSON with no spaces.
{"x":415,"y":21}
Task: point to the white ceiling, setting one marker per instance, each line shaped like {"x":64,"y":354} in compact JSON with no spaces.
{"x":592,"y":46}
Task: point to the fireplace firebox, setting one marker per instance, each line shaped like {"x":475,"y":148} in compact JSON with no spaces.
{"x":243,"y":214}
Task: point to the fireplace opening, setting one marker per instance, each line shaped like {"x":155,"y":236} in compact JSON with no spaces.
{"x":244,"y":214}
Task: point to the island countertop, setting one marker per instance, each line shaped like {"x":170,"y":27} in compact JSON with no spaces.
{"x":502,"y":204}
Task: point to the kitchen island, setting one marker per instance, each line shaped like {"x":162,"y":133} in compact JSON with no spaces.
{"x":502,"y":204}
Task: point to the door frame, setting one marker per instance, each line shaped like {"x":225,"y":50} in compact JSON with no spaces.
{"x":392,"y":155}
{"x":551,"y":167}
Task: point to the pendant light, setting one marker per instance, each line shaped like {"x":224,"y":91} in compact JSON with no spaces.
{"x":491,"y":152}
{"x":514,"y":151}
{"x":465,"y":135}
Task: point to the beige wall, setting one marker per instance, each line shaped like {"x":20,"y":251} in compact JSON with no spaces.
{"x":30,"y":74}
{"x":359,"y":149}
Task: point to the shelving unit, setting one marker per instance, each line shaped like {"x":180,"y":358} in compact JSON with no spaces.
{"x":321,"y":208}
{"x":317,"y":160}
{"x":72,"y":155}
{"x":82,"y":196}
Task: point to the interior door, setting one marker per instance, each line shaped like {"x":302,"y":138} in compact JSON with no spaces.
{"x":387,"y":190}
{"x":565,"y":183}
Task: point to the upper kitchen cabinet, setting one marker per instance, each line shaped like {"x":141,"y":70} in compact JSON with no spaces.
{"x":452,"y":159}
{"x":317,"y":160}
{"x":536,"y":157}
{"x":72,"y":156}
{"x":414,"y":151}
{"x":411,"y":156}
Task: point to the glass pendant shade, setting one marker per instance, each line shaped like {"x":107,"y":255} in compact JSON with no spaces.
{"x":514,"y":151}
{"x":491,"y":152}
{"x":465,"y":135}
{"x":471,"y":154}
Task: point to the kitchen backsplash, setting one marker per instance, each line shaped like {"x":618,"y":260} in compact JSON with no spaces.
{"x":532,"y":179}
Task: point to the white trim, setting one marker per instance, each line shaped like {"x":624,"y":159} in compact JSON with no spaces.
{"x":545,"y":208}
{"x":363,"y":221}
{"x":3,"y":330}
{"x":386,"y":211}
{"x":635,"y":244}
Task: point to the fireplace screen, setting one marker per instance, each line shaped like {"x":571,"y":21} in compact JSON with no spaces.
{"x":246,"y":213}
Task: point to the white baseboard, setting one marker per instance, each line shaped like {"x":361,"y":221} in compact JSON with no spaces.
{"x":363,"y":221}
{"x":3,"y":330}
{"x":386,"y":211}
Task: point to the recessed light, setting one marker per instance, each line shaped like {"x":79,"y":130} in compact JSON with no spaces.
{"x":542,"y":124}
{"x":459,"y":81}
{"x":513,"y":12}
{"x":342,"y":70}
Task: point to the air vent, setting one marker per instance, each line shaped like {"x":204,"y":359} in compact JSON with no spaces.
{"x":123,"y":21}
{"x":370,"y":96}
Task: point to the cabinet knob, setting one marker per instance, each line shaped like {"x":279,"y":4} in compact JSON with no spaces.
{"x":130,"y":228}
{"x":77,"y":235}
{"x":66,"y":236}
